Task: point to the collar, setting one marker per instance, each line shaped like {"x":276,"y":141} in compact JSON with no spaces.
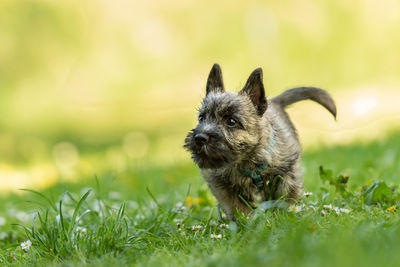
{"x":256,"y":174}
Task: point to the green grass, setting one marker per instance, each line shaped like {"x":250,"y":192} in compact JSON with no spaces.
{"x":148,"y":220}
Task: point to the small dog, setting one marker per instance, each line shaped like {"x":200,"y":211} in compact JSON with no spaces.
{"x":246,"y":147}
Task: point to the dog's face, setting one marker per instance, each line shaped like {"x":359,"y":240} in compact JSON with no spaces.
{"x":228,"y":128}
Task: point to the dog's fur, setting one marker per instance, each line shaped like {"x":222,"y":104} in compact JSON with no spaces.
{"x":238,"y":132}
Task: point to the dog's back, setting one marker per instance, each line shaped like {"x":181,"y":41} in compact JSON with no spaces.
{"x":287,"y":150}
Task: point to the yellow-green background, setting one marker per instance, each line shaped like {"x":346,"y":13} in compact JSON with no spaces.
{"x":93,"y":85}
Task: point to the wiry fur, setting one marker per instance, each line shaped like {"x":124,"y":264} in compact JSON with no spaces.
{"x":230,"y":149}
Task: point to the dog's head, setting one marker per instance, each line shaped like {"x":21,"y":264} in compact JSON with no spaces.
{"x":228,"y":128}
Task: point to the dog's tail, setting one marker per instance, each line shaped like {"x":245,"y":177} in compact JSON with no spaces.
{"x":303,"y":93}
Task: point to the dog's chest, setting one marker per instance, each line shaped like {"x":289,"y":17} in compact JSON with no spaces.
{"x":235,"y":183}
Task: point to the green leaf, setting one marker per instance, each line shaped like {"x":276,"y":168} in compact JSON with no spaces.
{"x":325,"y":174}
{"x":339,"y":182}
{"x":377,"y":192}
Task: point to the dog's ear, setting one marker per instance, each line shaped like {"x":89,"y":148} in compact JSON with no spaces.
{"x":214,"y":81}
{"x":254,"y":88}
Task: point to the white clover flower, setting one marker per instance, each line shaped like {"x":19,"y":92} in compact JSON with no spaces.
{"x":213,"y":236}
{"x":307,"y":194}
{"x":196,"y":227}
{"x":26,"y":245}
{"x":295,"y":209}
{"x":2,"y":221}
{"x":224,"y":226}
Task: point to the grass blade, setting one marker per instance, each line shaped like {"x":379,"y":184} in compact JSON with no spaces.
{"x":52,"y":205}
{"x":73,"y":221}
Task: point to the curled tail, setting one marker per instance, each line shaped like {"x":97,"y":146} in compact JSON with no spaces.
{"x":303,"y":93}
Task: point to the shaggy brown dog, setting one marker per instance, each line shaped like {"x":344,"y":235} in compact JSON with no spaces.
{"x":246,"y":146}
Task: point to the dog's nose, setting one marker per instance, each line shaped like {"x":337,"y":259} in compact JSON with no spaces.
{"x":201,"y":138}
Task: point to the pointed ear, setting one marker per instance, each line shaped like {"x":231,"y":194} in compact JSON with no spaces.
{"x":254,"y":88}
{"x":214,"y":81}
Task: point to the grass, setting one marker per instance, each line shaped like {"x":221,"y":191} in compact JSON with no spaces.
{"x":156,"y":220}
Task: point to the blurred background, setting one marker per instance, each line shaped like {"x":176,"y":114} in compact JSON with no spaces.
{"x":89,"y":87}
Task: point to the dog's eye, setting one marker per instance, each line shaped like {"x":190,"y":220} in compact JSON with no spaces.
{"x":231,"y":122}
{"x":201,"y":118}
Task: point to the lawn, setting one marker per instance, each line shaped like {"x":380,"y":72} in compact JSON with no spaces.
{"x":153,"y":215}
{"x":96,"y":98}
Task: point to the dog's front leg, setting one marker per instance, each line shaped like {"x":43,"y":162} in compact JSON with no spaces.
{"x":229,"y":201}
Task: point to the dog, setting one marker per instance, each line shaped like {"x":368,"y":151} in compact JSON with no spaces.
{"x":246,"y":147}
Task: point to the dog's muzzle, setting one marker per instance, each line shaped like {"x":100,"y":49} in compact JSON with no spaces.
{"x":201,"y":138}
{"x":208,"y":150}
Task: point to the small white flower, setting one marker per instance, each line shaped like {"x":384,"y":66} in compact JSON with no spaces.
{"x":179,"y":207}
{"x":329,"y":207}
{"x":224,"y":226}
{"x":324,"y":212}
{"x":26,"y":245}
{"x":307,"y":194}
{"x":213,"y":236}
{"x":343,"y":210}
{"x":2,"y":221}
{"x":337,"y":210}
{"x":295,"y":209}
{"x":81,"y":230}
{"x":196,"y":227}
